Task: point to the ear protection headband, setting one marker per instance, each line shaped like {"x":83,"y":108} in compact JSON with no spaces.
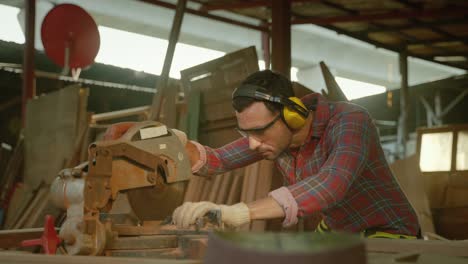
{"x":294,"y":112}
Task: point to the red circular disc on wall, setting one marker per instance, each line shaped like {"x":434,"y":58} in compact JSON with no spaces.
{"x":68,"y":25}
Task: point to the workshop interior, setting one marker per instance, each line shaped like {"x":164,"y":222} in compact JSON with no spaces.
{"x":99,"y":99}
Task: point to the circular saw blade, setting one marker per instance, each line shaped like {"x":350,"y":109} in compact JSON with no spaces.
{"x":156,"y":202}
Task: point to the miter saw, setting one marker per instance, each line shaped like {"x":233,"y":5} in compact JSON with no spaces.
{"x":148,"y":163}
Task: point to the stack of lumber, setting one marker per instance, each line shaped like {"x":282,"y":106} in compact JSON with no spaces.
{"x":11,"y":173}
{"x":241,"y":185}
{"x":54,"y":137}
{"x":6,"y":152}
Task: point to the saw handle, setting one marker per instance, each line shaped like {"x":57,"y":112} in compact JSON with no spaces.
{"x":49,"y":240}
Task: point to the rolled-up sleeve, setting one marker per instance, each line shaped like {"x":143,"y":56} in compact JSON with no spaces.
{"x":349,"y":140}
{"x":234,"y":155}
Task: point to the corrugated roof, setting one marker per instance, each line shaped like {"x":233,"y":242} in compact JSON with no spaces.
{"x":434,"y":30}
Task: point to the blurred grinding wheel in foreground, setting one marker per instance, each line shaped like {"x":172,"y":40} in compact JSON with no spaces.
{"x":272,"y":248}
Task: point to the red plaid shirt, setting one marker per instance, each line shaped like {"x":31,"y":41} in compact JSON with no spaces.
{"x":340,"y":171}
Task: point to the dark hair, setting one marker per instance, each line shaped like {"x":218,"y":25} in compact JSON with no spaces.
{"x":275,"y":83}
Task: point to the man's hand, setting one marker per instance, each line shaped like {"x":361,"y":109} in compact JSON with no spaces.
{"x":231,"y":215}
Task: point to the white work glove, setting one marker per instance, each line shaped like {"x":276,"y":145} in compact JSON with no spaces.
{"x":181,"y":135}
{"x":231,"y":215}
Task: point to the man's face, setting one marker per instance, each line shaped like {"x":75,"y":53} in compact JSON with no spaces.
{"x":265,"y":130}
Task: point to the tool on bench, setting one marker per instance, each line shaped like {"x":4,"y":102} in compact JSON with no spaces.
{"x":148,"y":164}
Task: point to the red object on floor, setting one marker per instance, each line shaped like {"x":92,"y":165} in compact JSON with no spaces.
{"x":49,"y":240}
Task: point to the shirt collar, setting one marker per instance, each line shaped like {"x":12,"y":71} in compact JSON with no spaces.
{"x":321,"y":114}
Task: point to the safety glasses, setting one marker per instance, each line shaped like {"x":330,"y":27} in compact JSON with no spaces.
{"x":257,"y":132}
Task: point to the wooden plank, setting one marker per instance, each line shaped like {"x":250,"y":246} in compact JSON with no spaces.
{"x":213,"y":82}
{"x":37,"y":219}
{"x":20,"y":199}
{"x":38,"y":213}
{"x":199,"y":190}
{"x":236,"y":187}
{"x":191,"y":230}
{"x":143,"y":242}
{"x":448,"y":248}
{"x":13,"y":169}
{"x":215,"y":188}
{"x":191,"y":189}
{"x":411,"y":257}
{"x":265,"y":175}
{"x":75,"y":158}
{"x":193,"y":246}
{"x":250,"y":183}
{"x":13,"y":237}
{"x":50,"y":133}
{"x":134,"y":230}
{"x":244,"y":183}
{"x":410,"y":179}
{"x":223,"y":190}
{"x":167,"y":253}
{"x":194,"y":190}
{"x":334,"y":91}
{"x":38,"y":198}
{"x":20,"y":258}
{"x":135,"y":111}
{"x":206,"y":189}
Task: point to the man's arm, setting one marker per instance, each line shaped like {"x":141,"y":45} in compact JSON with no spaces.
{"x":204,"y":160}
{"x":214,"y":161}
{"x":192,"y":152}
{"x":266,"y":208}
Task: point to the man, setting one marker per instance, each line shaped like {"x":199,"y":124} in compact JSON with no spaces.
{"x":328,"y":152}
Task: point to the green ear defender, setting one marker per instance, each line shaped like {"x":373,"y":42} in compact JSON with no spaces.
{"x":294,"y":112}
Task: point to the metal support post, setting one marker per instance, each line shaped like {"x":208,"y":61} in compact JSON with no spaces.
{"x":403,"y":120}
{"x":265,"y":36}
{"x":281,"y":36}
{"x":29,"y":89}
{"x":164,"y":77}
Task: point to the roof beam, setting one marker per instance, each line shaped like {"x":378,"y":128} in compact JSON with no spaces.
{"x":207,"y":15}
{"x":248,"y":4}
{"x":460,"y":20}
{"x":397,"y":49}
{"x":381,"y":16}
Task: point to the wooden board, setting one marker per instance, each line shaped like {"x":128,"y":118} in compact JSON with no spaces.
{"x":144,"y":242}
{"x":22,"y":195}
{"x":213,"y":82}
{"x":224,"y":188}
{"x":448,"y":248}
{"x":410,"y":179}
{"x":165,"y":253}
{"x":236,"y":187}
{"x":263,"y":187}
{"x":20,"y":258}
{"x":51,"y":130}
{"x":13,"y":238}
